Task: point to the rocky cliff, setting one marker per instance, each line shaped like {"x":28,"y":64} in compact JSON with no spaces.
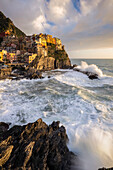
{"x":54,"y":60}
{"x":34,"y":146}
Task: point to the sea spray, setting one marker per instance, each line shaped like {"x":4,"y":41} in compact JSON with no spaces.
{"x":94,"y":147}
{"x":90,"y":68}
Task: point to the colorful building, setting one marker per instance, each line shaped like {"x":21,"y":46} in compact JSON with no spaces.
{"x":40,"y":35}
{"x":32,"y":57}
{"x":39,"y":49}
{"x":58,"y":41}
{"x":7,"y":32}
{"x":54,"y":41}
{"x":3,"y":53}
{"x":43,"y":41}
{"x":49,"y":39}
{"x":11,"y":57}
{"x":1,"y":57}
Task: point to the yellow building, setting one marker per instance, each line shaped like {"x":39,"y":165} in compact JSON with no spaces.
{"x":1,"y":57}
{"x":12,"y":55}
{"x":49,"y":38}
{"x":7,"y":32}
{"x":43,"y":41}
{"x":32,"y":57}
{"x":54,"y":41}
{"x":4,"y":52}
{"x":58,"y":41}
{"x":40,"y":35}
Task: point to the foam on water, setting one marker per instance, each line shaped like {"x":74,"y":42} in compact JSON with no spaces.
{"x":82,"y":105}
{"x":77,"y":79}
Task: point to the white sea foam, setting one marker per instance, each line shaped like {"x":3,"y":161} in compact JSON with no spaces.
{"x":90,"y":68}
{"x":65,"y":97}
{"x":74,"y":78}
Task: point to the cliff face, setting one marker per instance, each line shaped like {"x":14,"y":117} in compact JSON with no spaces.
{"x":54,"y":60}
{"x":45,"y":63}
{"x":7,"y":25}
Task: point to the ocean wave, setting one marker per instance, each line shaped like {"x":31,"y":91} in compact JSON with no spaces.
{"x":90,"y":68}
{"x":80,"y":104}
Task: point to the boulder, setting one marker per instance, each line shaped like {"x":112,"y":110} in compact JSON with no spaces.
{"x":35,"y":146}
{"x":89,"y":74}
{"x":93,"y":76}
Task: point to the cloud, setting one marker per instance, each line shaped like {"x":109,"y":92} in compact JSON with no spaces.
{"x":40,"y":23}
{"x":94,"y":28}
{"x":81,"y":24}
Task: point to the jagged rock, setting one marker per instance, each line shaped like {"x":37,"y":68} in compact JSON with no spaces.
{"x":75,"y":65}
{"x":72,"y":66}
{"x":89,"y":74}
{"x":3,"y":127}
{"x":45,"y":63}
{"x":35,"y":146}
{"x":55,"y":59}
{"x":93,"y":76}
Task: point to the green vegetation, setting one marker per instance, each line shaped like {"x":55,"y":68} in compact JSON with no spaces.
{"x":7,"y":24}
{"x":60,"y":55}
{"x":57,"y":54}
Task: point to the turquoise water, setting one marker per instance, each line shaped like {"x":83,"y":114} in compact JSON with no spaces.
{"x":83,"y":106}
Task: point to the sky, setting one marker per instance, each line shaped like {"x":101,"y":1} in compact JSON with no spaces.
{"x":84,"y":26}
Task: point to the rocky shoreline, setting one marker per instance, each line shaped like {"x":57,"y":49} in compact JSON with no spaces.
{"x":35,"y":146}
{"x":21,"y":72}
{"x":89,"y":74}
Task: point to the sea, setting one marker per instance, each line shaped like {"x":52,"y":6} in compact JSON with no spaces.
{"x":83,"y":106}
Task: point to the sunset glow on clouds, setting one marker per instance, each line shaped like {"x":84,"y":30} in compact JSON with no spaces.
{"x":82,"y":25}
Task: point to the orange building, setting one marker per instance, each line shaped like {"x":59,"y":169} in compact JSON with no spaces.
{"x":54,"y":41}
{"x":49,"y":38}
{"x":7,"y":32}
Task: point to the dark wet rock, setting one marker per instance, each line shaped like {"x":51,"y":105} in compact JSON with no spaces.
{"x":89,"y":74}
{"x":93,"y":76}
{"x":20,"y":72}
{"x":75,"y":65}
{"x":35,"y":146}
{"x":3,"y":127}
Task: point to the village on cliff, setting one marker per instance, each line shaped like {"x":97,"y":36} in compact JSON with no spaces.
{"x":25,"y":49}
{"x":22,"y":51}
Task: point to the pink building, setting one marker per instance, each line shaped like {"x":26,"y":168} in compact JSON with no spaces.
{"x":11,"y":57}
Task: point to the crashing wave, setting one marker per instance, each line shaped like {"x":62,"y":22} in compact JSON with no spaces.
{"x":89,"y":69}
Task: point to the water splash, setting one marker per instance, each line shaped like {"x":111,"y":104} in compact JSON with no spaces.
{"x":90,"y":68}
